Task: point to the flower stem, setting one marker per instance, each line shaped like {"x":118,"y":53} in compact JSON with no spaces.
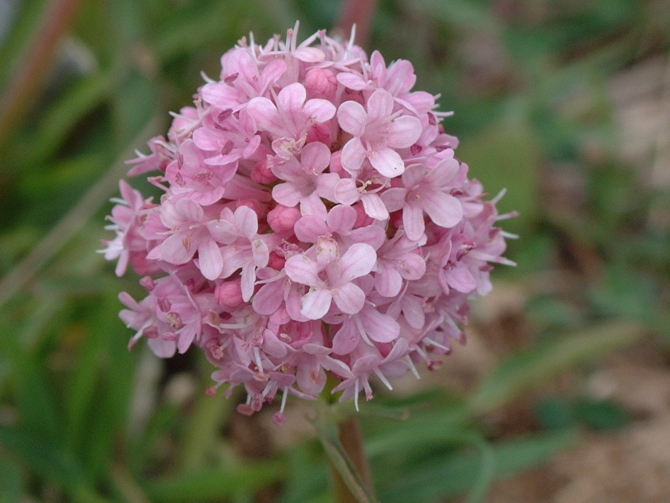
{"x":341,"y":437}
{"x":351,"y":438}
{"x":359,"y":13}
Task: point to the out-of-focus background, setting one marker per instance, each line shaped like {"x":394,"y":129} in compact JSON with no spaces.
{"x":562,"y":393}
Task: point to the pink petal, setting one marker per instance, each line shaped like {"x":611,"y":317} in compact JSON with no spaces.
{"x":353,"y":155}
{"x":315,"y":157}
{"x":379,"y":327}
{"x":287,"y":194}
{"x":412,"y":221}
{"x":341,"y":218}
{"x":404,"y":132}
{"x":309,"y":54}
{"x":374,"y":206}
{"x":303,"y":270}
{"x":327,"y":251}
{"x":246,"y":221}
{"x":309,"y":228}
{"x":352,"y":117}
{"x":177,"y":249}
{"x":315,"y":304}
{"x":388,"y":282}
{"x":248,"y":281}
{"x":349,"y":298}
{"x":443,"y":209}
{"x":268,"y":299}
{"x":380,"y":105}
{"x":413,"y":311}
{"x":188,"y":209}
{"x":443,"y":173}
{"x":385,"y":160}
{"x":291,"y":97}
{"x":319,"y":111}
{"x":264,"y":112}
{"x":209,"y":259}
{"x":346,"y":339}
{"x":352,"y":81}
{"x":346,"y":192}
{"x":394,"y":198}
{"x":357,"y":261}
{"x":462,"y":280}
{"x":412,"y":266}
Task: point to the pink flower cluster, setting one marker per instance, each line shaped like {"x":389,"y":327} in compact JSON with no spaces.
{"x":314,"y":222}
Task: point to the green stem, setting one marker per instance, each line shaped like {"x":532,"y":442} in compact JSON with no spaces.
{"x":342,"y":441}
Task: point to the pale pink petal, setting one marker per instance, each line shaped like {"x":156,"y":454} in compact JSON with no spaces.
{"x":374,"y":206}
{"x":291,"y":97}
{"x":286,"y":194}
{"x":346,"y":339}
{"x":379,"y":327}
{"x":309,"y":54}
{"x":412,"y":266}
{"x":394,"y":198}
{"x":188,"y":209}
{"x":264,"y":112}
{"x":325,"y":185}
{"x":319,"y":111}
{"x":309,"y":228}
{"x":341,"y":218}
{"x":315,"y":157}
{"x":162,"y":348}
{"x":357,"y":261}
{"x":209,"y":259}
{"x":412,"y":221}
{"x":268,"y":299}
{"x":315,"y":304}
{"x":379,"y":105}
{"x":352,"y":117}
{"x":248,"y":281}
{"x":403,"y":132}
{"x":246,"y":221}
{"x":177,"y":249}
{"x":303,"y":270}
{"x":443,"y":173}
{"x":260,"y":253}
{"x":349,"y":298}
{"x":346,"y":192}
{"x":327,"y":251}
{"x":443,"y":209}
{"x":353,"y":155}
{"x":413,"y":175}
{"x":385,"y":160}
{"x":352,"y":81}
{"x":388,"y":282}
{"x":412,"y":308}
{"x":461,"y":279}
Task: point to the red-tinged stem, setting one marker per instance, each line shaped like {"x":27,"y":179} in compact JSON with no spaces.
{"x":28,"y":77}
{"x":351,"y":438}
{"x":359,"y":13}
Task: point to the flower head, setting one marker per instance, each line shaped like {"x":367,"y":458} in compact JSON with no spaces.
{"x":315,"y":221}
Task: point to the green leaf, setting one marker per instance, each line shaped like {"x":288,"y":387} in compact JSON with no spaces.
{"x":526,"y":371}
{"x":440,"y":477}
{"x":215,"y":484}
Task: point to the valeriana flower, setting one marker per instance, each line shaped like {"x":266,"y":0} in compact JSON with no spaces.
{"x":315,"y":221}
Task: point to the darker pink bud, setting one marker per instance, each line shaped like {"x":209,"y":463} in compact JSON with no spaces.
{"x":276,"y":261}
{"x":282,"y":218}
{"x":362,"y":218}
{"x":229,"y":293}
{"x":262,"y":173}
{"x":321,"y":83}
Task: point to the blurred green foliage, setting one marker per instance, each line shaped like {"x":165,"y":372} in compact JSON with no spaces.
{"x":529,"y":82}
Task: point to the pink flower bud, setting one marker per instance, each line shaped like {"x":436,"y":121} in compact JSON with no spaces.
{"x":229,"y":293}
{"x":282,"y":218}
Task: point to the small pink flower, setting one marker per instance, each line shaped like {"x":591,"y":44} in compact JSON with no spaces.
{"x":377,"y":132}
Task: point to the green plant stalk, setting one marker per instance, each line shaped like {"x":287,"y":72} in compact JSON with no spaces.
{"x":342,"y":440}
